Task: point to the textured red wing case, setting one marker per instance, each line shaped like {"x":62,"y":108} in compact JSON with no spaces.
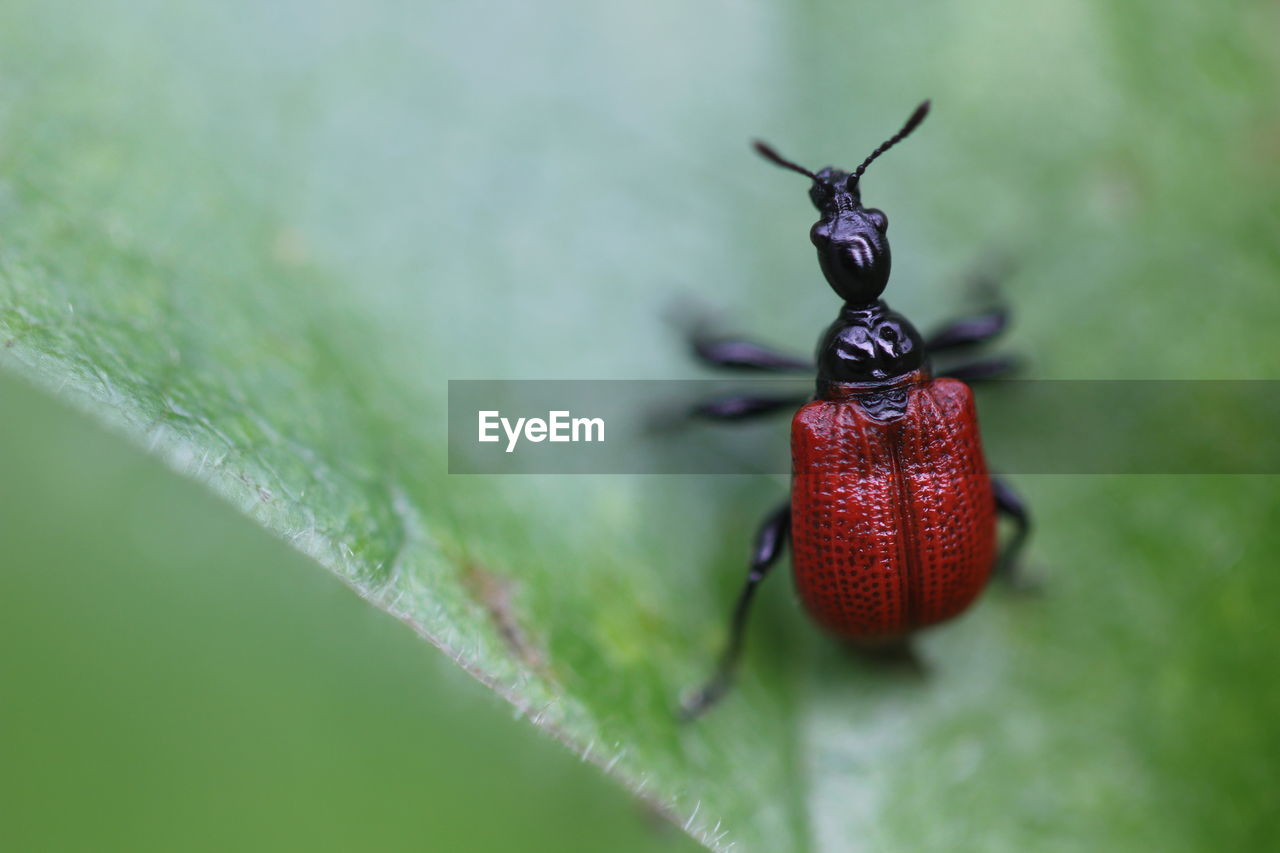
{"x":893,"y":522}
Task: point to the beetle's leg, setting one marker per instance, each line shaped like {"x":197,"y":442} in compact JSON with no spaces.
{"x":729,"y":408}
{"x":738,"y":407}
{"x":1009,"y":504}
{"x":992,"y":367}
{"x":769,"y":543}
{"x":968,"y":331}
{"x":740,"y":354}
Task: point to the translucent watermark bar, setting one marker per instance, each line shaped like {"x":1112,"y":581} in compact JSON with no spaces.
{"x":1028,"y":426}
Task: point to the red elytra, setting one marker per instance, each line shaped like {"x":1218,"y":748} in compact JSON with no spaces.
{"x":893,"y":522}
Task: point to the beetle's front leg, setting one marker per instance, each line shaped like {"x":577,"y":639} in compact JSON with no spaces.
{"x":968,"y":331}
{"x":739,"y":353}
{"x":1008,"y":563}
{"x":985,"y":285}
{"x":770,"y":541}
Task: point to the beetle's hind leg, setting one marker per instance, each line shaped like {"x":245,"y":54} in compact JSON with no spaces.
{"x":770,"y":541}
{"x":1009,"y":562}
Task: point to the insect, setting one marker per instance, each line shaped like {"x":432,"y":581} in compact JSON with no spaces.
{"x":892,"y":516}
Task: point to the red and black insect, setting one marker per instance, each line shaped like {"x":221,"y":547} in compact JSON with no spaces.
{"x":892,"y":515}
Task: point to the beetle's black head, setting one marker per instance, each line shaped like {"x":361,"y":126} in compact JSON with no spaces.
{"x":851,"y":240}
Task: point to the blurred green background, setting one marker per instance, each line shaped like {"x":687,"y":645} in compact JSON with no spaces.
{"x":254,"y":240}
{"x":175,"y":680}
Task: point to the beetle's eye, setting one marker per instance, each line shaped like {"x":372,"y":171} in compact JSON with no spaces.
{"x":878,"y":219}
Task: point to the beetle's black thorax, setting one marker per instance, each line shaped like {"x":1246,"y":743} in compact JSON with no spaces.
{"x":868,"y":343}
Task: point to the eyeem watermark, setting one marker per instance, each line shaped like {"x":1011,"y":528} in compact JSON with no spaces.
{"x":1029,"y":427}
{"x":559,"y":426}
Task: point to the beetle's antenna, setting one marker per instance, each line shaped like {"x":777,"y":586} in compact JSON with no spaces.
{"x":778,"y":160}
{"x":912,"y":124}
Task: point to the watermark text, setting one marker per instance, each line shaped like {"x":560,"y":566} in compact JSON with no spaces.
{"x":558,"y":426}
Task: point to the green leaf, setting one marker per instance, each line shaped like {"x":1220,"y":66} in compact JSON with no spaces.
{"x":261,"y":237}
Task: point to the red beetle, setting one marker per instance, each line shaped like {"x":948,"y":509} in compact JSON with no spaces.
{"x":892,"y":513}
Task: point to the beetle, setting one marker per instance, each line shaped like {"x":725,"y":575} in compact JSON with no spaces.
{"x":892,"y":516}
